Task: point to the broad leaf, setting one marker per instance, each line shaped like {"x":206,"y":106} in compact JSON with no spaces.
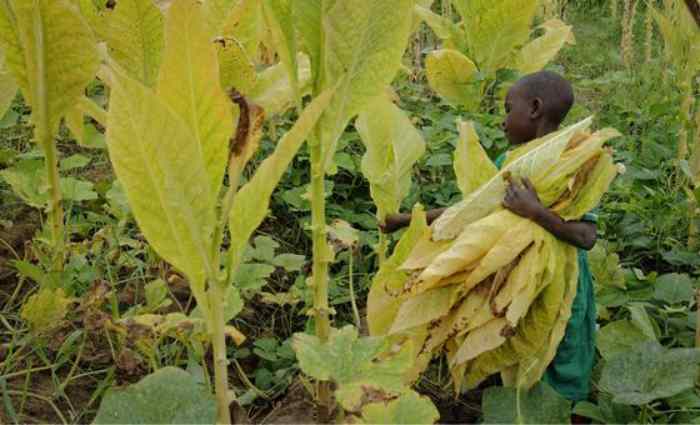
{"x":409,"y":408}
{"x":540,"y":51}
{"x":52,"y":55}
{"x":252,"y":201}
{"x":307,"y":16}
{"x":393,"y":147}
{"x":540,"y":405}
{"x":363,"y":43}
{"x":236,"y":67}
{"x":353,"y":363}
{"x":441,"y":26}
{"x":167,"y":396}
{"x":618,"y":337}
{"x":453,"y":76}
{"x":495,"y":28}
{"x":279,"y":17}
{"x":650,"y":372}
{"x":189,"y":83}
{"x":244,"y":23}
{"x":135,"y":39}
{"x":674,"y":288}
{"x":164,"y":174}
{"x":472,"y":165}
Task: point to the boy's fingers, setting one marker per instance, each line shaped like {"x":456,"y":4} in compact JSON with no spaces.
{"x":528,"y":184}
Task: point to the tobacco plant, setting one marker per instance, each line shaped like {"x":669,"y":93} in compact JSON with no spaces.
{"x":169,"y":146}
{"x":491,"y":36}
{"x":52,"y":56}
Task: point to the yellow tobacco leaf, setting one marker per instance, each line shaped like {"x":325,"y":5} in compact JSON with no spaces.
{"x":45,"y":309}
{"x":472,"y":165}
{"x":485,"y":338}
{"x":540,"y":51}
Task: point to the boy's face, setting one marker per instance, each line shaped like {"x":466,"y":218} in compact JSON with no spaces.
{"x":520,"y":124}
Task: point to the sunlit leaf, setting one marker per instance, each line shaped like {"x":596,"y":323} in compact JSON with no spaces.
{"x":539,"y":52}
{"x":188,"y":83}
{"x":472,"y":165}
{"x":135,"y":39}
{"x":279,"y":18}
{"x":409,"y":408}
{"x":273,"y":90}
{"x":393,"y":147}
{"x":164,"y":174}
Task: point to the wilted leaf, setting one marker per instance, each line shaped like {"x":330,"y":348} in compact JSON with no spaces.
{"x":409,"y":408}
{"x":167,"y":396}
{"x":540,"y":405}
{"x":46,"y":309}
{"x":649,"y":372}
{"x":352,"y":363}
{"x":252,"y":201}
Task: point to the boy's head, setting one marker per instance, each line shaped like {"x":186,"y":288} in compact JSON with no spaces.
{"x":536,"y":105}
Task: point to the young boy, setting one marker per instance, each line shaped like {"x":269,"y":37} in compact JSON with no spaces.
{"x":536,"y":106}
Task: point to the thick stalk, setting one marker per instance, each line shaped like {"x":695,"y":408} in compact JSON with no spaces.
{"x":320,"y":262}
{"x":218,"y":338}
{"x":55,"y":209}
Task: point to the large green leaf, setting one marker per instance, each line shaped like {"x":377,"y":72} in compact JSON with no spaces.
{"x":393,"y":147}
{"x":352,"y":363}
{"x":167,"y":396}
{"x":52,"y":55}
{"x":618,"y":337}
{"x":410,"y":408}
{"x":279,"y":17}
{"x":135,"y":39}
{"x":452,"y":76}
{"x":540,"y":51}
{"x":495,"y":28}
{"x":674,"y":288}
{"x":540,"y":405}
{"x":252,"y":201}
{"x":472,"y":165}
{"x":189,"y":83}
{"x":650,"y":372}
{"x":164,"y":174}
{"x":363,"y":43}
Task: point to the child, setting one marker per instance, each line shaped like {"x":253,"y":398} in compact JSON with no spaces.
{"x":536,"y":106}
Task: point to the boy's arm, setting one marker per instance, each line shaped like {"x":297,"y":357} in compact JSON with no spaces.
{"x":523,"y":200}
{"x":394,"y":222}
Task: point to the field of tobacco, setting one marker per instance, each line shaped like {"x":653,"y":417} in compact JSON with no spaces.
{"x":194,"y":197}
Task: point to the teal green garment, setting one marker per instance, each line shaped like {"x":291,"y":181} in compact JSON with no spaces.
{"x":570,"y":371}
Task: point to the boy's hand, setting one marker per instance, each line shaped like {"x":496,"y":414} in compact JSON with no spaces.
{"x":523,"y":199}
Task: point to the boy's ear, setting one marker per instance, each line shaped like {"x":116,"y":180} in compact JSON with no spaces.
{"x":536,"y":108}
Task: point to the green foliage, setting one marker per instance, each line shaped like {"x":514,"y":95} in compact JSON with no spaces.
{"x":539,"y":405}
{"x":355,"y":364}
{"x":46,"y":309}
{"x":167,"y":396}
{"x":650,"y":372}
{"x":409,"y":408}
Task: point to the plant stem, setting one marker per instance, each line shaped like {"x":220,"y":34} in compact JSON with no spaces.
{"x":55,"y":210}
{"x":218,"y":338}
{"x":320,"y":261}
{"x":353,"y":302}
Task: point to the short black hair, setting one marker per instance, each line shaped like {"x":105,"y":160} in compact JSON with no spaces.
{"x":556,"y":93}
